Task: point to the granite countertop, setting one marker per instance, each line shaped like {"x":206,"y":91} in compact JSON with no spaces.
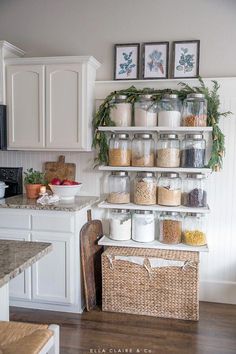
{"x":16,"y":256}
{"x":21,"y":202}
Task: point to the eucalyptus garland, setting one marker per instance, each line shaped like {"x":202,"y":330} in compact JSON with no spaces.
{"x":102,"y":117}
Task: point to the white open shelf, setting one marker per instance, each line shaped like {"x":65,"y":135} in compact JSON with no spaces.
{"x":106,"y":241}
{"x":156,"y":129}
{"x":158,"y":208}
{"x":156,"y":169}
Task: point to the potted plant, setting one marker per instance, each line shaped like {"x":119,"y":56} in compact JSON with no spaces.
{"x":33,"y":180}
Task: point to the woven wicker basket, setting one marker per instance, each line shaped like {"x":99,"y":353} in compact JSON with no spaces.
{"x":169,"y":291}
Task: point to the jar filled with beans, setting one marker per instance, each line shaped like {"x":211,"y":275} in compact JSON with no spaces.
{"x":195,"y":110}
{"x":194,"y":190}
{"x":170,"y":228}
{"x":145,"y":188}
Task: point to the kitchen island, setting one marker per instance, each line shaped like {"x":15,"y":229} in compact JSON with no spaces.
{"x":54,"y":283}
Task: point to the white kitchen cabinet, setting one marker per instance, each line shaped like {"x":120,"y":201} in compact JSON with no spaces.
{"x":50,"y":103}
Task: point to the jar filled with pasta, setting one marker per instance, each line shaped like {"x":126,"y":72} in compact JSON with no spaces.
{"x":194,"y":229}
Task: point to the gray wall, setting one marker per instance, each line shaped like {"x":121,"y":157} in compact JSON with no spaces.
{"x":91,"y":27}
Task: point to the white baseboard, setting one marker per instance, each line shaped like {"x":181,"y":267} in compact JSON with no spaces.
{"x":218,"y":291}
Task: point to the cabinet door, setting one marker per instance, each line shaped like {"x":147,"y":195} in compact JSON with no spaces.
{"x":20,"y":286}
{"x":26,"y":106}
{"x":53,"y":275}
{"x":63,"y":106}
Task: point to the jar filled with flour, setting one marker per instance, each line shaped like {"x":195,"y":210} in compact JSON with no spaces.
{"x":169,"y":111}
{"x":120,"y":225}
{"x":121,"y":111}
{"x":145,"y":112}
{"x":143,"y":226}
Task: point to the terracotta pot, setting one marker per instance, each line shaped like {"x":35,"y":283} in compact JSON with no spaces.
{"x":32,"y":190}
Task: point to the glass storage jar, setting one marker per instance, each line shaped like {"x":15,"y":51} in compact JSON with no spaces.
{"x":194,"y":229}
{"x":169,"y":189}
{"x":121,"y":111}
{"x":143,"y":150}
{"x":193,"y":150}
{"x":145,"y":187}
{"x":119,"y":187}
{"x":170,"y":228}
{"x":168,"y":151}
{"x":143,"y":226}
{"x":169,"y":111}
{"x":119,"y":150}
{"x":120,"y":225}
{"x":195,"y":110}
{"x":194,"y":190}
{"x":145,"y":112}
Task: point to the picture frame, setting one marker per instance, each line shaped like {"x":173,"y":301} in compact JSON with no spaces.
{"x":126,"y":59}
{"x":186,"y":55}
{"x":155,"y":60}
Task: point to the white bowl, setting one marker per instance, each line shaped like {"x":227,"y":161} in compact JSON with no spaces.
{"x":66,"y":192}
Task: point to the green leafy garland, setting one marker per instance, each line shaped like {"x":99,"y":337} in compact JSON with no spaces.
{"x":102,"y":117}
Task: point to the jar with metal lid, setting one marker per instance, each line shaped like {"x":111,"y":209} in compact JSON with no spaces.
{"x":168,"y":151}
{"x":194,"y":112}
{"x":194,"y":190}
{"x":145,"y":187}
{"x":121,"y":111}
{"x":170,"y":228}
{"x":193,"y":150}
{"x":120,"y":225}
{"x":169,"y":189}
{"x":194,"y":229}
{"x":143,"y":150}
{"x":145,"y":112}
{"x":143,"y":226}
{"x":169,"y":111}
{"x":119,"y":150}
{"x":119,"y":187}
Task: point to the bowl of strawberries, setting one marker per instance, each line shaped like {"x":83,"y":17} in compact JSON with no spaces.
{"x":65,"y":189}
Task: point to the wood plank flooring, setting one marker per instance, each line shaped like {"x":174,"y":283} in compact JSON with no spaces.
{"x":99,"y":332}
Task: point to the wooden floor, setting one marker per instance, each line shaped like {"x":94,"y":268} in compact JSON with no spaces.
{"x":101,"y":332}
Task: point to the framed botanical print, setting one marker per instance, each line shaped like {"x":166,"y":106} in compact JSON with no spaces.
{"x":126,"y":61}
{"x":186,"y":59}
{"x":155,"y":60}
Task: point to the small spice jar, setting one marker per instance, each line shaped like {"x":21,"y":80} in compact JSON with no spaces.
{"x":119,"y":187}
{"x":169,"y":189}
{"x":169,"y":111}
{"x":193,"y":150}
{"x":170,"y":228}
{"x":143,"y":226}
{"x":119,"y":150}
{"x":194,"y":229}
{"x":168,"y":151}
{"x":145,"y":112}
{"x":143,"y":150}
{"x":120,"y":225}
{"x":121,"y":111}
{"x":145,"y":187}
{"x":195,"y":110}
{"x":194,"y":190}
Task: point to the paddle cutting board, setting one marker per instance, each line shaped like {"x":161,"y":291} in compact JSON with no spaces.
{"x":59,"y":169}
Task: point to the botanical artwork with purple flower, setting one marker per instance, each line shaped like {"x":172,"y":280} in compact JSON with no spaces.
{"x":127,"y":65}
{"x":155,"y":63}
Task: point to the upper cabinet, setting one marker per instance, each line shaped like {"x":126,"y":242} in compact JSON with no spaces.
{"x":50,"y":103}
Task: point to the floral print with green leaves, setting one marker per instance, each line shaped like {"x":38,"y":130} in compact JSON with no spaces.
{"x":127,"y":66}
{"x":186,"y":61}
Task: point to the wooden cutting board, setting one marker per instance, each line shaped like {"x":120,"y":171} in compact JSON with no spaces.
{"x":59,"y":169}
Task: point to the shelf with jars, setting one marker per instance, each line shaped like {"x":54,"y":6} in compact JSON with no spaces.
{"x":183,"y":130}
{"x":203,"y":170}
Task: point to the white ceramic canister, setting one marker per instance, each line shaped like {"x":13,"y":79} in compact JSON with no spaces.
{"x":120,"y":225}
{"x":143,"y":226}
{"x":3,"y":187}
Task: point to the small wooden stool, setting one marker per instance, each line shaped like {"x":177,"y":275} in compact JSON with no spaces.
{"x":27,"y":338}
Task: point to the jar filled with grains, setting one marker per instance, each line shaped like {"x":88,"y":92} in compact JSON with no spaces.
{"x":145,"y":112}
{"x":145,"y":188}
{"x":168,"y":151}
{"x":119,"y":187}
{"x":169,"y":189}
{"x":121,"y":111}
{"x":193,"y":151}
{"x":119,"y":150}
{"x":170,"y":228}
{"x":120,"y":225}
{"x":169,"y":111}
{"x":195,"y":110}
{"x":194,"y":190}
{"x":194,"y":229}
{"x":143,"y":226}
{"x":143,"y":150}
